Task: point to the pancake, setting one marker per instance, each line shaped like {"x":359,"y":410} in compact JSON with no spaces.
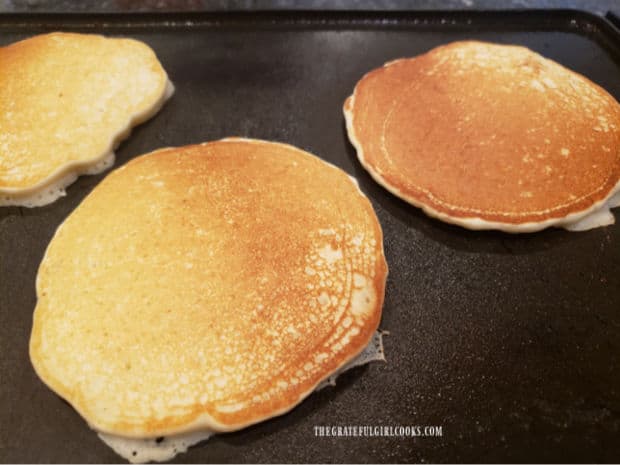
{"x":163,"y":448}
{"x":67,"y":101}
{"x":207,"y":288}
{"x":489,"y":136}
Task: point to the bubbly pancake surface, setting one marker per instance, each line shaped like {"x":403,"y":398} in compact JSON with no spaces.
{"x":207,"y":287}
{"x":488,"y":136}
{"x":67,"y":100}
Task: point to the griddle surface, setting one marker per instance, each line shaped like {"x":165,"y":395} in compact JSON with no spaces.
{"x":511,"y":343}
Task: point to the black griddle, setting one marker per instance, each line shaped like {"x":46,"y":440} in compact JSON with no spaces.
{"x":510,"y":343}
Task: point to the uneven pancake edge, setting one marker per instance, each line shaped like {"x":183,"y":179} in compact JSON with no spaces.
{"x":159,"y":449}
{"x":199,"y":420}
{"x":51,"y":185}
{"x":35,"y":196}
{"x":459,"y":215}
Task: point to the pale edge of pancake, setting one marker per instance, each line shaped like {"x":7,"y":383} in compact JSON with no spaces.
{"x":595,"y":216}
{"x":206,"y":422}
{"x":53,"y":187}
{"x":167,"y":447}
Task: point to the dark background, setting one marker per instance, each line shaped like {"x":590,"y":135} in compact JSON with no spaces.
{"x":510,"y":343}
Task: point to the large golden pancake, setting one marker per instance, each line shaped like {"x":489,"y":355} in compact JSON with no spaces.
{"x":66,"y":102}
{"x":207,"y":287}
{"x":488,"y":136}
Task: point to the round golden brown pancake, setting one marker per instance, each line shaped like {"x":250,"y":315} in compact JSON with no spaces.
{"x":207,"y":287}
{"x":67,"y":100}
{"x":488,"y":136}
